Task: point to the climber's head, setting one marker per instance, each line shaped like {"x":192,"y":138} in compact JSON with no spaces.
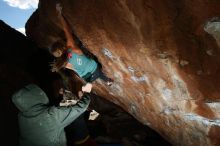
{"x":58,"y":48}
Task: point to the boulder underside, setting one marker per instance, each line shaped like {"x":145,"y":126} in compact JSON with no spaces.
{"x":164,"y":58}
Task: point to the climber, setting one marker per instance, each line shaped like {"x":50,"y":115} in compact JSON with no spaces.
{"x":42,"y":124}
{"x":70,"y":55}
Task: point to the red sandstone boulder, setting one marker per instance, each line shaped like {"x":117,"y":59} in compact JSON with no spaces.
{"x":164,"y":56}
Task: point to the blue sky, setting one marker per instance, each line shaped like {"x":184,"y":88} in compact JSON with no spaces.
{"x":16,"y":12}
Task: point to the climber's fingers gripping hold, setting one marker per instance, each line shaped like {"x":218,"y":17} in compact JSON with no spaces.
{"x":53,"y":67}
{"x":59,"y":8}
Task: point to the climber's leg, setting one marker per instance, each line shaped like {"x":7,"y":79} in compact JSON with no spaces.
{"x":99,"y":74}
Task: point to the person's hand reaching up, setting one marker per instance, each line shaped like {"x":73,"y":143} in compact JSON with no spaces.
{"x":59,"y":9}
{"x":87,"y":88}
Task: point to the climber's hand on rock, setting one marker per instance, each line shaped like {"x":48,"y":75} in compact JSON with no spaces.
{"x":53,"y":67}
{"x":87,"y":88}
{"x":59,"y":9}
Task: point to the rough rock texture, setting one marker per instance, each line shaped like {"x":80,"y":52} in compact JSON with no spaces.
{"x":162,"y":54}
{"x":115,"y":126}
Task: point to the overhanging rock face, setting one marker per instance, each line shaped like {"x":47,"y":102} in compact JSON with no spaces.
{"x":164,"y":57}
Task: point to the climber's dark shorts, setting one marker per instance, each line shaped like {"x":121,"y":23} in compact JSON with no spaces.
{"x":96,"y":74}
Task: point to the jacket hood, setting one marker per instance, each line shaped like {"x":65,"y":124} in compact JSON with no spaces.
{"x":30,"y":100}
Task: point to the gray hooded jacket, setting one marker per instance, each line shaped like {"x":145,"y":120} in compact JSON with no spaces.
{"x":40,"y":124}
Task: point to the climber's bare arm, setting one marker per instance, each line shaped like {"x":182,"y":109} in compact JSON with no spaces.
{"x":66,"y":28}
{"x":69,"y":37}
{"x":69,"y":66}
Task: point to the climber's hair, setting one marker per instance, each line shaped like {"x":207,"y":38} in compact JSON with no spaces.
{"x":58,"y":45}
{"x":61,"y":45}
{"x":62,"y":60}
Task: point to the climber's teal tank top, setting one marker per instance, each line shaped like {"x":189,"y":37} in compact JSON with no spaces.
{"x":82,"y":64}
